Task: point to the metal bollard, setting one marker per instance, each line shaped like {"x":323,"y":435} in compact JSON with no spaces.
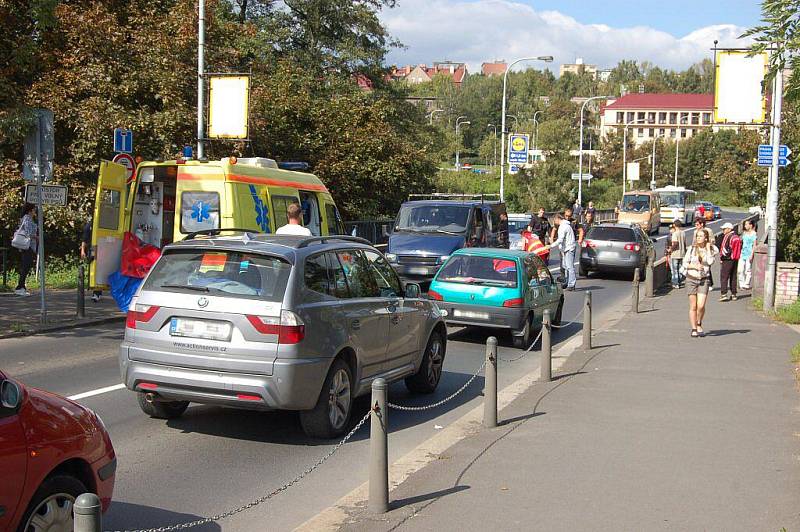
{"x":587,"y":321}
{"x":547,"y":350}
{"x":379,"y":450}
{"x":87,"y":513}
{"x":490,"y":385}
{"x":649,"y":280}
{"x":635,"y":296}
{"x":81,"y":303}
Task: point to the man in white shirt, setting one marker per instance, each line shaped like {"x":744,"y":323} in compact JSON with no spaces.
{"x":295,"y":226}
{"x":565,"y":240}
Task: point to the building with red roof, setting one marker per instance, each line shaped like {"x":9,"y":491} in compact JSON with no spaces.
{"x":495,"y":68}
{"x":652,"y":115}
{"x":423,"y":73}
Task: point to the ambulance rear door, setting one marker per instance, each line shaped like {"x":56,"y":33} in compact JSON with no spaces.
{"x":107,"y":223}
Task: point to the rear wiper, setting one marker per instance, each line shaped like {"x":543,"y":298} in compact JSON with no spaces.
{"x":186,"y":287}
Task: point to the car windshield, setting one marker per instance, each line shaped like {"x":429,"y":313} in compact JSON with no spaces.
{"x":244,"y":275}
{"x":433,"y":218}
{"x":672,"y":199}
{"x":515,"y":226}
{"x":611,"y":234}
{"x":487,"y":271}
{"x":635,"y":203}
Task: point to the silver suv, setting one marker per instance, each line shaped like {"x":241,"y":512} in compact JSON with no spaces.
{"x":277,"y":322}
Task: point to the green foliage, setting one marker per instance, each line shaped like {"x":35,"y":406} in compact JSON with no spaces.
{"x":789,"y":313}
{"x":59,"y":273}
{"x":795,"y":358}
{"x":780,"y":26}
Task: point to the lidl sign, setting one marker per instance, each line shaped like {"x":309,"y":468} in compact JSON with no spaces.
{"x":517,"y":149}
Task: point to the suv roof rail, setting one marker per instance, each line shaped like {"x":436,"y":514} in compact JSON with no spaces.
{"x":322,"y":239}
{"x":214,"y":232}
{"x":453,"y":196}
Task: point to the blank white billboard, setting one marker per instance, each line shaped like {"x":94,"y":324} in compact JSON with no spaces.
{"x":227,"y":109}
{"x":738,"y":94}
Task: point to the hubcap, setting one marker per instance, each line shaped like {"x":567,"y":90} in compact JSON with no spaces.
{"x":339,"y":399}
{"x":435,"y":361}
{"x":54,"y":514}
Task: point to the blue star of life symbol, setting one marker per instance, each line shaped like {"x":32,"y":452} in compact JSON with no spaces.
{"x":201,"y":211}
{"x":262,"y":211}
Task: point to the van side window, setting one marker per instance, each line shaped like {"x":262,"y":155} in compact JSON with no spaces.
{"x":280,"y":204}
{"x":384,"y":275}
{"x":311,"y":218}
{"x":199,"y":211}
{"x":335,"y":225}
{"x":109,"y":209}
{"x":357,"y":268}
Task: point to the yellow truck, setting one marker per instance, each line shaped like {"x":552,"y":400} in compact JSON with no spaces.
{"x":166,"y":201}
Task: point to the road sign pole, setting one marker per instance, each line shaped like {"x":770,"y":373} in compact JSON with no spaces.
{"x":40,"y":218}
{"x":772,"y":198}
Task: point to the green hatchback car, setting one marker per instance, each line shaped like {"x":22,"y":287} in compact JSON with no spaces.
{"x":498,"y":288}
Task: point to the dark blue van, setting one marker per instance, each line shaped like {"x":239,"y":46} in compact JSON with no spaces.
{"x":428,"y":231}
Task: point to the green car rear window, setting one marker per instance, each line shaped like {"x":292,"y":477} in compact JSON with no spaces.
{"x":486,"y":271}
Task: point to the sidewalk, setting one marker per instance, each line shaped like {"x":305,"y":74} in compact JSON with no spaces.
{"x":19,"y":316}
{"x":650,"y":430}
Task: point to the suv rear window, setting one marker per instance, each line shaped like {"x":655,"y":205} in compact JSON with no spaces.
{"x":612,"y":234}
{"x":485,"y":271}
{"x":219,"y":272}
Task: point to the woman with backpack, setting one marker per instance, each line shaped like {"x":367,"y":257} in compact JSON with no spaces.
{"x":26,"y":240}
{"x":697,"y":269}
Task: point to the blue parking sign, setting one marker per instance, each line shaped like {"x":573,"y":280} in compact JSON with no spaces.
{"x":123,"y":140}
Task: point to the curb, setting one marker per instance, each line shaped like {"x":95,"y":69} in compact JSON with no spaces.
{"x":62,"y":327}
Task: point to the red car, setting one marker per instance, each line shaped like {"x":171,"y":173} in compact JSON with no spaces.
{"x":51,"y":450}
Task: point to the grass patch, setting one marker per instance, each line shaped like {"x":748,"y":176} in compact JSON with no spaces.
{"x":60,"y":273}
{"x":796,"y":354}
{"x":789,"y":313}
{"x":757,"y":303}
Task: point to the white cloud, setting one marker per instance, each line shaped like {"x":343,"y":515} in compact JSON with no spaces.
{"x":474,"y":32}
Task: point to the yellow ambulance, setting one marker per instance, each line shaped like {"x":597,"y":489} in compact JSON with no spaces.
{"x":166,"y":201}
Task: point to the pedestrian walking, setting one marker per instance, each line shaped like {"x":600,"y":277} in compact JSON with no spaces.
{"x":730,"y":249}
{"x":590,"y":209}
{"x":676,"y":249}
{"x":577,"y":209}
{"x":86,"y":253}
{"x":697,"y":269}
{"x":700,"y":225}
{"x":749,"y":237}
{"x":565,"y":240}
{"x":583,"y":228}
{"x":26,"y":240}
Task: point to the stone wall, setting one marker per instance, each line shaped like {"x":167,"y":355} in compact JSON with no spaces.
{"x":787,"y":283}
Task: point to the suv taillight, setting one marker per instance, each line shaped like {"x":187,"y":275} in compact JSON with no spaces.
{"x":140,"y":313}
{"x":289,"y":328}
{"x":632,"y":247}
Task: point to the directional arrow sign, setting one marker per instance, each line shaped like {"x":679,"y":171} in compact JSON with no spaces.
{"x":586,"y":177}
{"x":765,"y":150}
{"x":767,"y":161}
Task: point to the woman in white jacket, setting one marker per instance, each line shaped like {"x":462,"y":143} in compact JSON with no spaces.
{"x":697,"y":269}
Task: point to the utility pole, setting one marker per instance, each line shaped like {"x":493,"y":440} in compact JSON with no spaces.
{"x":772,"y":196}
{"x":40,"y":216}
{"x":201,"y":97}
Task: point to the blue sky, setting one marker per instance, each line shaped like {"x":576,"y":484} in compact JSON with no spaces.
{"x":669,"y":33}
{"x":678,"y":17}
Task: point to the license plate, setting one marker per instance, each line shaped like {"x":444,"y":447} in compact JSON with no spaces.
{"x":209,"y":330}
{"x":418,"y":271}
{"x":470,"y":314}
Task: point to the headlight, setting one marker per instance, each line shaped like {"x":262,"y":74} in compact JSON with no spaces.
{"x":391,"y":257}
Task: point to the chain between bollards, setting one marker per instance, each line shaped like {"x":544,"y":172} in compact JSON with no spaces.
{"x":547,"y":349}
{"x":587,"y":321}
{"x":81,"y":301}
{"x":87,"y":512}
{"x":379,"y":449}
{"x":490,"y":384}
{"x":635,"y":292}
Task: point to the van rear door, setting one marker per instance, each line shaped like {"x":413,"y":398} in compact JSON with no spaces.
{"x":107,"y":224}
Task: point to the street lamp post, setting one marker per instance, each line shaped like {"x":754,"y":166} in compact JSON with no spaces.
{"x":494,"y":144}
{"x":677,"y":145}
{"x":430,"y":115}
{"x":458,"y":139}
{"x":625,"y":151}
{"x":546,"y":59}
{"x":653,"y":163}
{"x":580,"y":148}
{"x":535,"y":129}
{"x":516,"y":121}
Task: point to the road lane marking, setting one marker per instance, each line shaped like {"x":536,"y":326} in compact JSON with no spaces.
{"x":99,"y":391}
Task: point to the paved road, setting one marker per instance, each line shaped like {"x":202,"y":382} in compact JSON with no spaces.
{"x":215,"y":459}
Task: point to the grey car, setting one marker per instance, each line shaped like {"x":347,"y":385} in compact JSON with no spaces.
{"x":271,"y":322}
{"x":615,"y":247}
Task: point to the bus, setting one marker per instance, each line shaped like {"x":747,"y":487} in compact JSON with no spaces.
{"x":677,"y":203}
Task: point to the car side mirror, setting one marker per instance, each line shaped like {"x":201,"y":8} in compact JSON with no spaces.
{"x":10,"y":395}
{"x":413,"y":291}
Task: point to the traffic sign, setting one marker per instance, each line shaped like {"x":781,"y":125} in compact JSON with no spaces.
{"x":40,"y":136}
{"x":765,"y":151}
{"x":123,"y":140}
{"x":52,"y":194}
{"x":517,"y":149}
{"x":586,"y":177}
{"x":127,"y":161}
{"x":767,"y":161}
{"x":513,"y":169}
{"x":633,"y":172}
